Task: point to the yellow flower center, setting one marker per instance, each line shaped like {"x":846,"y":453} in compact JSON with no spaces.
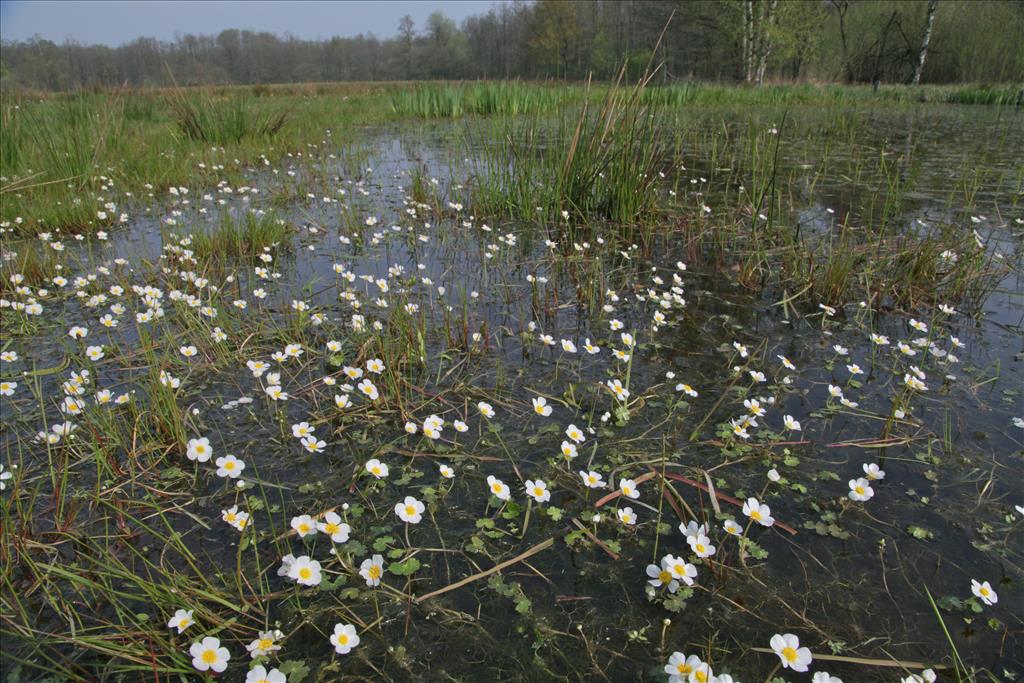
{"x":305,"y":573}
{"x":183,"y":622}
{"x":680,"y":568}
{"x":683,"y":668}
{"x":342,"y":639}
{"x":538,"y":491}
{"x":229,"y":465}
{"x":374,"y":571}
{"x":375,"y":470}
{"x":209,"y":656}
{"x":664,"y":576}
{"x":859,"y":490}
{"x":496,"y":487}
{"x":789,"y":653}
{"x":699,"y":547}
{"x":331,"y":528}
{"x":756,"y":515}
{"x":701,"y":676}
{"x":984,"y":591}
{"x":410,"y":510}
{"x":303,"y":528}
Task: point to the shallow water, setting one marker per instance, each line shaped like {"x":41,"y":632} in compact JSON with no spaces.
{"x":852,"y":576}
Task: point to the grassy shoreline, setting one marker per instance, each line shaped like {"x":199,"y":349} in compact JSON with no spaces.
{"x":64,"y":157}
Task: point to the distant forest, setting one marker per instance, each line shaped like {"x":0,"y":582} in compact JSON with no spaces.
{"x":892,"y":41}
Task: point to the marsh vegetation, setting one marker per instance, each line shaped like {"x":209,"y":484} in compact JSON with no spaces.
{"x":512,"y":382}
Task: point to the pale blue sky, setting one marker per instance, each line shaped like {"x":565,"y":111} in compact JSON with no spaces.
{"x":113,"y":22}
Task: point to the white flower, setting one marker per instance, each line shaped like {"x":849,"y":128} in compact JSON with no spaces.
{"x":759,"y":512}
{"x":372,"y":569}
{"x":208,"y":655}
{"x":860,"y":490}
{"x":377,"y":468}
{"x":303,"y":525}
{"x":199,"y":449}
{"x":626,"y":516}
{"x":787,"y":647}
{"x":334,"y":527}
{"x":259,"y":674}
{"x":873,"y":472}
{"x":984,"y":592}
{"x":305,"y":571}
{"x":575,"y":433}
{"x":181,"y":620}
{"x":344,"y":637}
{"x":498,"y":488}
{"x":410,"y":510}
{"x":825,"y":677}
{"x":538,"y":490}
{"x":229,"y":466}
{"x":541,"y":407}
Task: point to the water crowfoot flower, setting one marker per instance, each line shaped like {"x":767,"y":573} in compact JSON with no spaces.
{"x":181,"y":620}
{"x":681,"y":569}
{"x":860,"y":490}
{"x":498,"y":488}
{"x":787,"y":647}
{"x":229,"y":466}
{"x":759,"y":512}
{"x":680,"y":667}
{"x":661,"y":575}
{"x":376,"y":468}
{"x":732,"y":527}
{"x":873,"y":472}
{"x":410,"y":510}
{"x":208,"y":655}
{"x":265,"y":645}
{"x":541,"y":407}
{"x":334,"y":527}
{"x":984,"y":592}
{"x":199,"y":449}
{"x":344,"y":638}
{"x":575,"y":433}
{"x":628,"y":488}
{"x":538,"y":490}
{"x":305,"y":571}
{"x":259,"y":674}
{"x":825,"y":677}
{"x":372,"y":569}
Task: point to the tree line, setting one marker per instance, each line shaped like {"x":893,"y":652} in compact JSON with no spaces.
{"x":892,"y":41}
